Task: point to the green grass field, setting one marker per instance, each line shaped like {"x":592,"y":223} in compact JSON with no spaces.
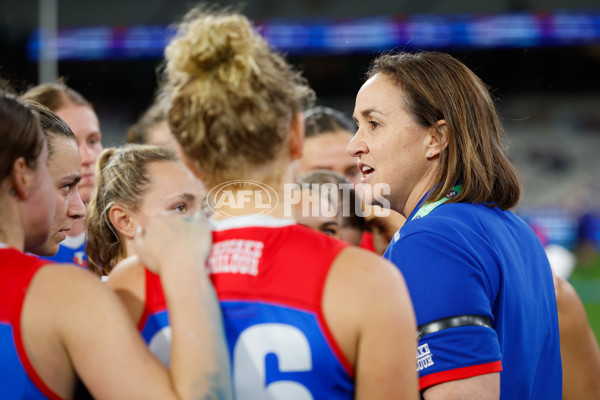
{"x":586,"y":281}
{"x":593,"y":312}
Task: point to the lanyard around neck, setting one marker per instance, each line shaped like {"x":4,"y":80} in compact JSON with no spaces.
{"x":429,"y":207}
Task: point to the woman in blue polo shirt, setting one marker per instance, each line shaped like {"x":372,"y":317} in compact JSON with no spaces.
{"x":478,"y":276}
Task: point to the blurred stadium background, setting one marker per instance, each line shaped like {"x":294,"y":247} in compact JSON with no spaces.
{"x":541,"y":59}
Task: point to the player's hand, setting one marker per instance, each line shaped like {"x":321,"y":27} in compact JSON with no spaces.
{"x":173,"y":241}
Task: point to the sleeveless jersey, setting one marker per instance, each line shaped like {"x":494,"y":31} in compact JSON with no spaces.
{"x":269,"y":275}
{"x":18,"y":379}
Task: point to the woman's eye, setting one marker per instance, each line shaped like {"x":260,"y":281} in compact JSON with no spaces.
{"x":180,"y":208}
{"x":330,"y":232}
{"x":373,"y":124}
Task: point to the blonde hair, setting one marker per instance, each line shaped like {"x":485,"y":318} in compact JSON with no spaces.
{"x":233,"y":98}
{"x":436,"y":87}
{"x":121,"y":178}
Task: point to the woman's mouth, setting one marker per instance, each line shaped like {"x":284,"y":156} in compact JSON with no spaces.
{"x":87,"y":179}
{"x":365,"y":170}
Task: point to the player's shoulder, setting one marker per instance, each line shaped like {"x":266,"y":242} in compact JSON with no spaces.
{"x":67,"y":275}
{"x":451,"y":222}
{"x":369,"y":285}
{"x":67,"y":289}
{"x":126,"y":273}
{"x":312,"y":242}
{"x":368,"y":268}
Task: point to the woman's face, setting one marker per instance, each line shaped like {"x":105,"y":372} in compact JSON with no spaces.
{"x":316,"y":212}
{"x":172,"y":189}
{"x":38,"y":208}
{"x":84,"y":123}
{"x":391,"y":147}
{"x":160,"y":135}
{"x":64,"y":166}
{"x":328,"y":151}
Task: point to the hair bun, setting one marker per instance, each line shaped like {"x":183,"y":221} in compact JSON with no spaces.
{"x":216,"y":45}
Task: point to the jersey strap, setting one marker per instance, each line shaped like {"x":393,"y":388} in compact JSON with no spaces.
{"x":453,"y":322}
{"x":429,"y":207}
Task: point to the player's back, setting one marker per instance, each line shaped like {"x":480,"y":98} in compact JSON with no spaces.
{"x":269,"y":275}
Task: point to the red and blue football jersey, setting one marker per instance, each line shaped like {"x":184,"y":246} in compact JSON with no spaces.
{"x":269,"y":275}
{"x":18,"y":379}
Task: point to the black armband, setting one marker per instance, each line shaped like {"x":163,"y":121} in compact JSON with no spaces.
{"x":453,"y":322}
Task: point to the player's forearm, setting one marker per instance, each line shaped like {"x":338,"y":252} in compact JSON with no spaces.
{"x":199,"y":359}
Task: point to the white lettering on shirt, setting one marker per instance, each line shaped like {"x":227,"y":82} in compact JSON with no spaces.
{"x":424,"y":357}
{"x":236,"y":256}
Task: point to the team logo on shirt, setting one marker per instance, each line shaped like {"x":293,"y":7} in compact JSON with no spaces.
{"x":424,"y":357}
{"x":79,"y":258}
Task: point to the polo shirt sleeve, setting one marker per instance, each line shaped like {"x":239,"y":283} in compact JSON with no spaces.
{"x":446,"y":278}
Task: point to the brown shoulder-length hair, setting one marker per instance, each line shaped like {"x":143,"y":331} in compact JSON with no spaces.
{"x":52,"y":126}
{"x":20,"y":134}
{"x":436,"y":87}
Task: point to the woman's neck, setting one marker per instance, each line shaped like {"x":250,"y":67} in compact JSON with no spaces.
{"x":11,"y":231}
{"x":264,"y":191}
{"x":422,"y":187}
{"x":129,"y":248}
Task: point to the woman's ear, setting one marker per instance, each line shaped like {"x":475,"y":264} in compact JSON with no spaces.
{"x":437,"y":139}
{"x":21,"y":178}
{"x":122,"y":220}
{"x":297,"y":137}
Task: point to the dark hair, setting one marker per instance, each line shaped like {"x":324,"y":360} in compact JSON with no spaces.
{"x":51,"y":124}
{"x":437,"y":87}
{"x":320,"y":120}
{"x":21,"y":134}
{"x":56,"y":95}
{"x":323,"y":176}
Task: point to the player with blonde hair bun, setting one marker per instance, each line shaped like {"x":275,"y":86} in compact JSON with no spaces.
{"x":306,"y":316}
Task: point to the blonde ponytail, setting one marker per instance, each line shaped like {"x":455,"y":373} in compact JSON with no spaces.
{"x":121,"y":178}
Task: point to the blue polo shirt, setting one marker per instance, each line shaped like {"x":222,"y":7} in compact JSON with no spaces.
{"x":472,"y":260}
